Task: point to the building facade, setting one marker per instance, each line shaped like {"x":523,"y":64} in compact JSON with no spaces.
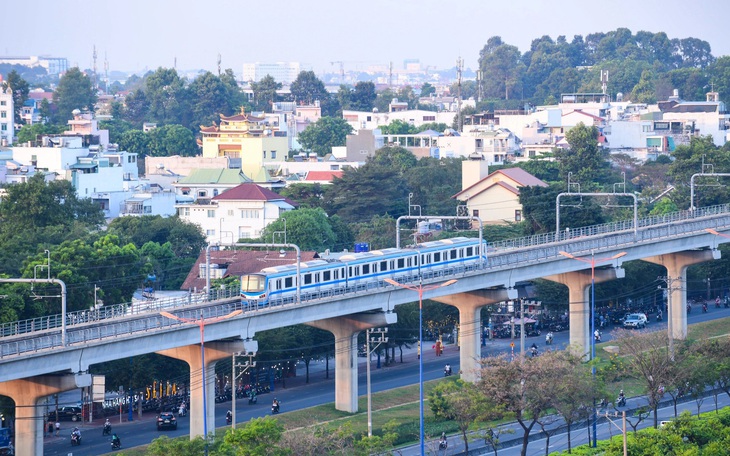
{"x":7,"y":115}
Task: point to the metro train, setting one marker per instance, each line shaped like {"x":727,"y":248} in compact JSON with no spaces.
{"x":352,"y":270}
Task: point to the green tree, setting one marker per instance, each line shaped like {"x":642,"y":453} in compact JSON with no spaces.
{"x":501,"y":67}
{"x":427,"y":89}
{"x":236,"y":98}
{"x":584,"y":160}
{"x":135,"y":141}
{"x":136,"y":108}
{"x":264,"y":93}
{"x":20,"y":89}
{"x":326,"y":133}
{"x":169,"y":140}
{"x":186,"y":239}
{"x":307,"y":228}
{"x":167,"y":97}
{"x":399,"y":127}
{"x":307,"y":195}
{"x":209,"y":96}
{"x":31,"y":132}
{"x":308,"y":88}
{"x":258,"y":437}
{"x":74,"y":91}
{"x":363,"y":96}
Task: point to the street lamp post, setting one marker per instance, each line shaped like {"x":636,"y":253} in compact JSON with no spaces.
{"x":592,"y":261}
{"x":201,"y":324}
{"x":420,"y":289}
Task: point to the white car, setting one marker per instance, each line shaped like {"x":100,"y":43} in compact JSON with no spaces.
{"x":635,"y":320}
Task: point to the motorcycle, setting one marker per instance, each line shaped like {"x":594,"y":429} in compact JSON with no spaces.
{"x":597,"y":336}
{"x":689,"y":308}
{"x":116,"y":444}
{"x":621,"y":401}
{"x":447,"y":371}
{"x":704,"y":308}
{"x":252,"y":399}
{"x":275,"y":408}
{"x":107,"y":429}
{"x":443,"y":444}
{"x":75,"y":439}
{"x":717,"y":302}
{"x":229,"y":417}
{"x":659,"y":316}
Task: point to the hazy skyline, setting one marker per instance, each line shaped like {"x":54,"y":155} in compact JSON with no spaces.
{"x":136,"y":35}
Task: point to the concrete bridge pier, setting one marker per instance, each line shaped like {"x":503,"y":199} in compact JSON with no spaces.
{"x":345,"y":330}
{"x":579,"y":303}
{"x":29,"y":413}
{"x":470,"y":325}
{"x":214,"y":352}
{"x":677,"y":264}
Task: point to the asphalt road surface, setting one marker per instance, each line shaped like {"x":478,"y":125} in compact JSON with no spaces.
{"x":320,"y":390}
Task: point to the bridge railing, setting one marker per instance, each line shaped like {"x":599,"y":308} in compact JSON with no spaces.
{"x":501,"y":255}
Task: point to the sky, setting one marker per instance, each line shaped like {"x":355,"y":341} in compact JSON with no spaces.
{"x":136,"y":35}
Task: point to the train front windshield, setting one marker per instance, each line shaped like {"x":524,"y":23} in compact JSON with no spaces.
{"x":253,"y":283}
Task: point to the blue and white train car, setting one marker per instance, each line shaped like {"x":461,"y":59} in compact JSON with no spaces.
{"x":357,"y":270}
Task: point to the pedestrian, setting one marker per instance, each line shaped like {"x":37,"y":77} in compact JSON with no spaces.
{"x":50,"y":427}
{"x":58,"y":428}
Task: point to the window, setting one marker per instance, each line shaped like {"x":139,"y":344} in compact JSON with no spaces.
{"x":250,"y":213}
{"x":469,"y":251}
{"x":202,"y":193}
{"x":429,"y":118}
{"x":436,"y":257}
{"x":215,"y":192}
{"x":475,"y":212}
{"x":401,"y":263}
{"x":3,"y":103}
{"x":211,"y":213}
{"x":264,"y":154}
{"x":369,"y":118}
{"x":518,"y":215}
{"x":327,"y":276}
{"x":184,"y":211}
{"x":453,"y":254}
{"x":210,"y":232}
{"x":288,"y":282}
{"x":307,"y":279}
{"x":253,"y":283}
{"x":230,"y":212}
{"x":273,"y":154}
{"x":366,"y":269}
{"x":4,"y":127}
{"x":4,"y":114}
{"x":383,"y":266}
{"x":148,"y":209}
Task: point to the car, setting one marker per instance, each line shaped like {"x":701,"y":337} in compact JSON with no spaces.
{"x":166,"y":420}
{"x":635,"y":320}
{"x":69,"y":414}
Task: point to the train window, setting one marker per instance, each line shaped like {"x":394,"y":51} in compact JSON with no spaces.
{"x":401,"y":263}
{"x":327,"y":276}
{"x":409,"y":261}
{"x":357,"y":270}
{"x":383,"y":266}
{"x":316,"y":277}
{"x":469,"y":251}
{"x":288,"y":282}
{"x":436,"y":257}
{"x":350,"y":271}
{"x":252,"y":283}
{"x":336,"y":274}
{"x":366,"y":269}
{"x":277,"y":284}
{"x":307,"y":279}
{"x":453,"y":254}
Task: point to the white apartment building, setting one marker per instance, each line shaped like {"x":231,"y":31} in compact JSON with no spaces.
{"x":363,"y":120}
{"x":7,"y":115}
{"x":283,"y":72}
{"x":239,"y":213}
{"x":54,"y":65}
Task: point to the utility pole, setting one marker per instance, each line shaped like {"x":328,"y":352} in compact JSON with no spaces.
{"x":377,"y":341}
{"x":234,"y":377}
{"x":459,"y":68}
{"x":390,"y":75}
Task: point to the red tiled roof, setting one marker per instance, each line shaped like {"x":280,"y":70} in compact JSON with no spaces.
{"x":242,"y":118}
{"x":211,"y":129}
{"x":251,"y":192}
{"x":238,"y":262}
{"x":323,"y":175}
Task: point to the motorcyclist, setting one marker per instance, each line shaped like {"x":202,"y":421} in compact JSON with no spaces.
{"x":621,"y":398}
{"x":116,"y":441}
{"x":252,"y":398}
{"x":597,"y":335}
{"x":443,"y":443}
{"x":107,"y":427}
{"x":229,"y":416}
{"x":549,"y":338}
{"x":275,"y":406}
{"x":76,"y":436}
{"x":533,"y":349}
{"x":447,"y":370}
{"x":659,"y":315}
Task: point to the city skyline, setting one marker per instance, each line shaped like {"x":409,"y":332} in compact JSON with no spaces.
{"x":134,"y":36}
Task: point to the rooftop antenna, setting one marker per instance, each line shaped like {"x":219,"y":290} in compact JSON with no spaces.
{"x":390,"y":75}
{"x":106,"y":74}
{"x":174,"y":63}
{"x":219,"y":64}
{"x":96,"y":79}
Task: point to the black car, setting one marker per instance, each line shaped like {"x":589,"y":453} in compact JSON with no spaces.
{"x":166,"y":420}
{"x":68,"y":413}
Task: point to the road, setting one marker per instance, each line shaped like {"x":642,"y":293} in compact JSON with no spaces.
{"x":320,"y":390}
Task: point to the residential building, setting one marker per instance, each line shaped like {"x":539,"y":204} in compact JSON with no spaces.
{"x":363,"y":120}
{"x":282,"y":72}
{"x":84,"y":124}
{"x":149,"y":199}
{"x":241,"y":212}
{"x":31,"y":112}
{"x":494,"y":197}
{"x":54,"y":65}
{"x":251,"y":140}
{"x":7,"y":115}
